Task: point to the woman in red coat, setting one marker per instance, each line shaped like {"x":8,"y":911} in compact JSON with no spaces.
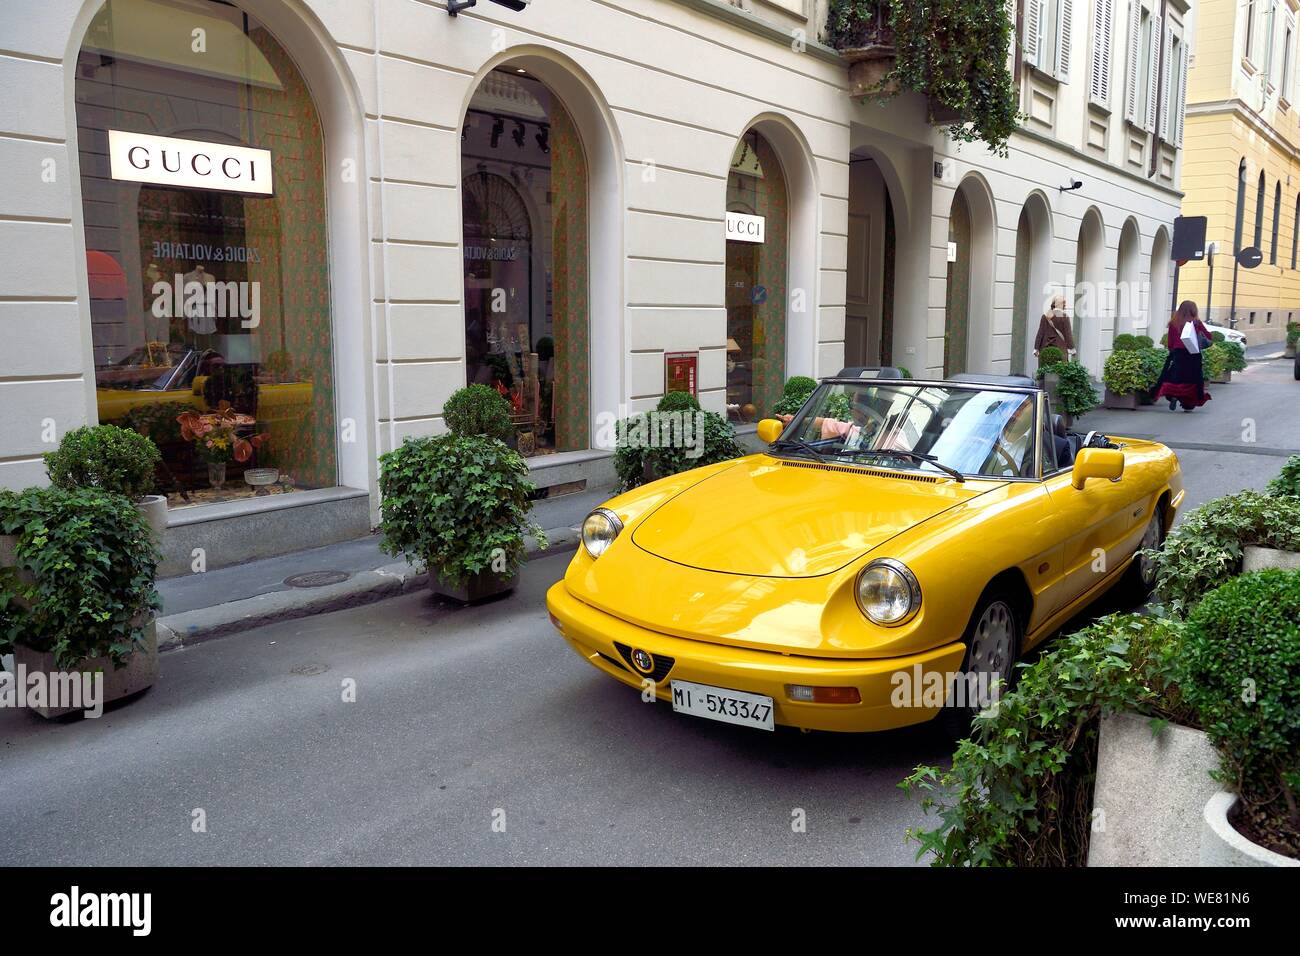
{"x":1183,"y":379}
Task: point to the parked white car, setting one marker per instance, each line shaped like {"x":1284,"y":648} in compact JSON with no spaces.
{"x":1232,"y":335}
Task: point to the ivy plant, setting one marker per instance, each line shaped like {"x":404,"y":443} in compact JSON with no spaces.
{"x":82,"y":581}
{"x":1125,"y":373}
{"x":675,"y":437}
{"x":1075,"y":390}
{"x":459,"y":505}
{"x":1287,"y":481}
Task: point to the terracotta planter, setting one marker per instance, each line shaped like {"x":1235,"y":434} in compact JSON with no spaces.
{"x":1128,"y":400}
{"x":1150,"y":790}
{"x":1222,"y":845}
{"x":139,"y":672}
{"x":480,"y":587}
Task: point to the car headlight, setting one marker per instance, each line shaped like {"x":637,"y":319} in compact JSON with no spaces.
{"x":599,"y":530}
{"x":888,"y":592}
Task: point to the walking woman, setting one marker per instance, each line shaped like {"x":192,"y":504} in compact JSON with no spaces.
{"x":1054,"y":329}
{"x":1183,"y":380}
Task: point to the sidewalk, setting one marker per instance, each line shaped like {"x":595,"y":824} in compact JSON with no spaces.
{"x":223,"y":601}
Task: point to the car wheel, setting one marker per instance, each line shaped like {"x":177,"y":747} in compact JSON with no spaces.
{"x":1297,"y":367}
{"x":992,"y":648}
{"x":1140,"y":578}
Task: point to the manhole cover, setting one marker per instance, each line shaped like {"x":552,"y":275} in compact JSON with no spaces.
{"x":316,"y":579}
{"x":309,"y":670}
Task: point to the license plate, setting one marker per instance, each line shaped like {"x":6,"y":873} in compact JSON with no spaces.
{"x":719,"y":703}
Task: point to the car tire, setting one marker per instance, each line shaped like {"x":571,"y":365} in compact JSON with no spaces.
{"x":993,"y":640}
{"x":1140,"y":578}
{"x":1297,"y":367}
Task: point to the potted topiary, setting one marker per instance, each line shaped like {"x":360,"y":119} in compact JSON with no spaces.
{"x":459,"y":503}
{"x":1069,"y":387}
{"x":77,"y":589}
{"x":1238,"y":672}
{"x":117,"y":460}
{"x":1153,"y":363}
{"x":1215,"y":364}
{"x":796,"y":392}
{"x":1292,"y":337}
{"x":1125,"y":377}
{"x":676,"y":436}
{"x":1234,"y":357}
{"x":478,"y":410}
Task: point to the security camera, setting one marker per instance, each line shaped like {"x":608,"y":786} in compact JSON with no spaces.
{"x":455,"y":6}
{"x":515,"y":5}
{"x":1074,"y":184}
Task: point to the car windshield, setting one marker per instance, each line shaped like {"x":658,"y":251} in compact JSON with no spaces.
{"x":911,"y":426}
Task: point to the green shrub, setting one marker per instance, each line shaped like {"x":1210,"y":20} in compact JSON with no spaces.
{"x":796,"y":392}
{"x":1239,"y":671}
{"x":104,"y":456}
{"x":1019,"y":792}
{"x":1125,"y":373}
{"x":904,"y":371}
{"x":156,"y":421}
{"x":478,"y":410}
{"x":457,"y":504}
{"x":1050,"y":356}
{"x":1217,"y":336}
{"x":670,"y":441}
{"x":1287,"y":481}
{"x":1206,"y":548}
{"x":1077,"y":395}
{"x":90,"y":562}
{"x":678,"y":402}
{"x":1145,"y":341}
{"x":1153,"y":364}
{"x":1292,"y":333}
{"x":1126,"y":342}
{"x":1214,"y":362}
{"x":1234,"y":356}
{"x":848,"y":23}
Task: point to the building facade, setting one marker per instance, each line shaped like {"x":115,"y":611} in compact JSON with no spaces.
{"x":325,"y":216}
{"x":1243,"y":164}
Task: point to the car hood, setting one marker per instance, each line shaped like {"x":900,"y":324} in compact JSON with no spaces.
{"x":777,"y":517}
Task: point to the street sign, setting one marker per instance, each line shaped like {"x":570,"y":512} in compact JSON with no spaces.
{"x":1250,"y":257}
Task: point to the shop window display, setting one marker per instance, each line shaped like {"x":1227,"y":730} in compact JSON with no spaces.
{"x":756,"y":280}
{"x":203,"y":187}
{"x":524,"y":201}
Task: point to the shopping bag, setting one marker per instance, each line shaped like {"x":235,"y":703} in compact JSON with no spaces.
{"x":1190,"y":338}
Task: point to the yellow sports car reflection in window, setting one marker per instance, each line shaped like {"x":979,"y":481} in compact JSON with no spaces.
{"x":888,"y":557}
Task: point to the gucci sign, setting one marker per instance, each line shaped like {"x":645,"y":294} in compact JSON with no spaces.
{"x":743,"y":228}
{"x":167,"y":161}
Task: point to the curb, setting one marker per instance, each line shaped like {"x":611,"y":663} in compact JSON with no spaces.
{"x":176,"y":631}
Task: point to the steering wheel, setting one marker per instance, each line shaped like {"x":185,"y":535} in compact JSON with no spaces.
{"x":1009,"y":461}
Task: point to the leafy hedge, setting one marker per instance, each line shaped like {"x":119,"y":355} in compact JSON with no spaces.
{"x":1206,"y":548}
{"x":1019,"y":792}
{"x":1240,"y":668}
{"x":89,"y":562}
{"x":1287,"y":481}
{"x":1126,"y":373}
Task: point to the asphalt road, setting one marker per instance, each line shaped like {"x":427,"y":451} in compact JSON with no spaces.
{"x":469,"y":717}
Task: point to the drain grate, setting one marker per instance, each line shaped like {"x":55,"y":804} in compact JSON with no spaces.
{"x":316,"y":579}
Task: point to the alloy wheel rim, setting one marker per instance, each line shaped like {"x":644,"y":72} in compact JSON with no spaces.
{"x":992,"y":641}
{"x":1150,"y":542}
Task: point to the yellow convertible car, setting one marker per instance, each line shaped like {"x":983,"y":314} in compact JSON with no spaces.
{"x":888,"y":557}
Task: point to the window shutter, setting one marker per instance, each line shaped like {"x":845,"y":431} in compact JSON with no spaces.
{"x":1166,"y":104}
{"x":1099,"y":91}
{"x":1153,"y":76}
{"x":1288,"y":62}
{"x":1182,"y":99}
{"x":1065,"y":22}
{"x":1131,"y":78}
{"x":1035,"y":13}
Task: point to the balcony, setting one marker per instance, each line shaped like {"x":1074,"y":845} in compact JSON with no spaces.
{"x":860,"y":31}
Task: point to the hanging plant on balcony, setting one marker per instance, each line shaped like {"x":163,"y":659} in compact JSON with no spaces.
{"x":954,"y":52}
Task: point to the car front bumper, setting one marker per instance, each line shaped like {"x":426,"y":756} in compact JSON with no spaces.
{"x":888,"y":699}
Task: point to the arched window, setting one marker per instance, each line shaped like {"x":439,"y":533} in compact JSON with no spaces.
{"x":1259,"y":213}
{"x":1277,"y":220}
{"x":757,"y":265}
{"x":202,"y":180}
{"x":1241,"y":207}
{"x":524,"y":207}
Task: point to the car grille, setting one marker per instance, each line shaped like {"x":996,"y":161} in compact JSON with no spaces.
{"x":927,"y":479}
{"x":662,"y":664}
{"x":609,"y":660}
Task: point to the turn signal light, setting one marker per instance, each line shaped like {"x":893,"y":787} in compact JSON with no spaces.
{"x":823,"y":695}
{"x":556,"y":621}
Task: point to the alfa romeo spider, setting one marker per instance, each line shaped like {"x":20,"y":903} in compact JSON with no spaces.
{"x":888,"y":557}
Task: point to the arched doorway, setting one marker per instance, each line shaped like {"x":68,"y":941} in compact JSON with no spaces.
{"x":968,"y":312}
{"x":1032,"y":293}
{"x":206,"y":181}
{"x":1159,"y":310}
{"x":524,"y":200}
{"x":1089,"y":298}
{"x":757,"y":270}
{"x":1128,"y":270}
{"x":872,"y":247}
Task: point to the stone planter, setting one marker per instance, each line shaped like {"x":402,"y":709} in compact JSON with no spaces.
{"x":480,"y":587}
{"x":1223,"y":379}
{"x":1151,"y":790}
{"x":1128,"y":400}
{"x":1289,"y":352}
{"x":1260,"y":559}
{"x":154,"y":509}
{"x":1222,"y":845}
{"x":139,"y":672}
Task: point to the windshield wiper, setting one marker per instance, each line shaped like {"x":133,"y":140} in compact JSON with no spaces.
{"x":799,"y":444}
{"x":952,"y":473}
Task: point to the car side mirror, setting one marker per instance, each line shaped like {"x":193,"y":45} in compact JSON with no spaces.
{"x":769,"y":430}
{"x":1105,"y":463}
